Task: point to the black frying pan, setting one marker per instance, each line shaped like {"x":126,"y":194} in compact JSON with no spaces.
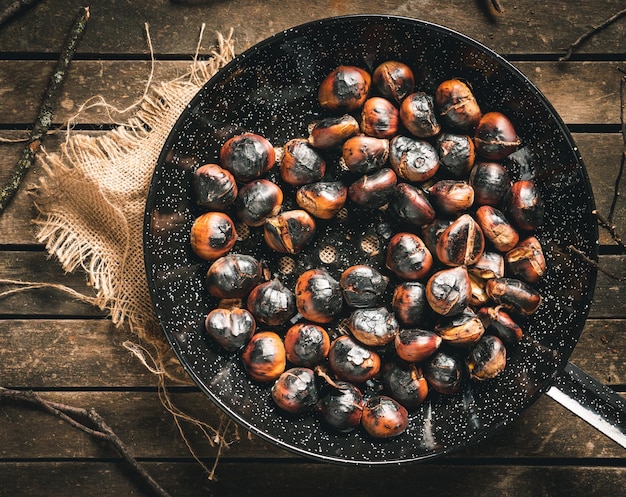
{"x":271,"y":90}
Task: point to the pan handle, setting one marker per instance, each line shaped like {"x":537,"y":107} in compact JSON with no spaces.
{"x":594,"y":402}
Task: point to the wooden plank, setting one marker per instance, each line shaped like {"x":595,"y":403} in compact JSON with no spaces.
{"x":581,"y":92}
{"x":117,"y":27}
{"x":251,"y":479}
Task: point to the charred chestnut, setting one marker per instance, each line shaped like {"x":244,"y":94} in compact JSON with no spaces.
{"x":272,"y":303}
{"x":341,"y":406}
{"x":457,"y":104}
{"x":405,"y":383}
{"x":495,"y":136}
{"x":500,"y":323}
{"x":411,"y":204}
{"x":487,"y":358}
{"x":514,"y":295}
{"x":375,"y":190}
{"x":230,"y":328}
{"x":462,"y":243}
{"x":417,"y":114}
{"x":408,"y":257}
{"x":295,"y":390}
{"x":413,"y":159}
{"x":213,"y":187}
{"x":375,"y":326}
{"x":409,"y":302}
{"x":490,"y":265}
{"x":490,"y":181}
{"x":306,"y":344}
{"x":345,"y":89}
{"x":526,"y":261}
{"x":394,"y":80}
{"x":362,"y":285}
{"x":264,"y":356}
{"x":379,"y":118}
{"x":384,"y":417}
{"x":350,"y":360}
{"x":432,"y":231}
{"x":257,"y":201}
{"x":364,"y":154}
{"x":322,"y":199}
{"x":451,"y":197}
{"x":301,"y":163}
{"x":444,"y":372}
{"x":333,"y":131}
{"x":416,"y":344}
{"x":289,"y":231}
{"x":448,"y":291}
{"x":456,"y":153}
{"x":497,"y":228}
{"x":462,"y":330}
{"x":525,"y":205}
{"x":318,"y":296}
{"x":233,"y":276}
{"x":247,"y":156}
{"x":212,"y":235}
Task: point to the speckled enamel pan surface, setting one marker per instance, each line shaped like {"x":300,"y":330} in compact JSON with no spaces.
{"x":271,"y":90}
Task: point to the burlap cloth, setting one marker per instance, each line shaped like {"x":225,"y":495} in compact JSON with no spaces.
{"x":90,"y":203}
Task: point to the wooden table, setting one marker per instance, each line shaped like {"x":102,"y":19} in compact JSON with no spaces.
{"x":70,"y":352}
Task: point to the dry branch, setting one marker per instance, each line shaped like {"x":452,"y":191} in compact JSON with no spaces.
{"x":585,"y":36}
{"x":14,"y":8}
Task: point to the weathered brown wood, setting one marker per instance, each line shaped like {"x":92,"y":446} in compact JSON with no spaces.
{"x":174,"y":26}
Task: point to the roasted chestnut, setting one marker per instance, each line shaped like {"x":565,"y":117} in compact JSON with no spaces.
{"x":345,"y":89}
{"x":375,"y":190}
{"x":462,"y":330}
{"x":457,"y":104}
{"x":451,"y":197}
{"x":409,"y":302}
{"x":306,"y":344}
{"x":364,"y":154}
{"x":490,"y":265}
{"x":289,"y":231}
{"x":526,"y":261}
{"x":212,"y":235}
{"x":496,"y":228}
{"x":362,"y":285}
{"x":525,"y":205}
{"x":499,"y":322}
{"x":479,"y":292}
{"x":213,"y":187}
{"x":230,"y":328}
{"x":462,"y":243}
{"x":405,"y":383}
{"x":341,"y":405}
{"x":333,"y":131}
{"x":495,"y":136}
{"x":487,"y":358}
{"x":433,"y":230}
{"x":350,"y":360}
{"x":444,"y":372}
{"x":272,"y":303}
{"x":413,"y":159}
{"x":411,"y":204}
{"x":233,"y":276}
{"x":448,"y":291}
{"x":375,"y":326}
{"x":301,"y":163}
{"x":514,"y":295}
{"x":257,"y":201}
{"x":295,"y":390}
{"x":417,"y":114}
{"x":416,"y":344}
{"x":379,"y":118}
{"x":322,"y":199}
{"x":394,"y":80}
{"x":490,"y":181}
{"x":384,"y":417}
{"x":456,"y":153}
{"x":318,"y":296}
{"x":247,"y":156}
{"x":264,"y":356}
{"x":408,"y":257}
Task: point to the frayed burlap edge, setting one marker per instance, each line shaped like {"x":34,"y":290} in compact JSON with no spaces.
{"x":90,"y":203}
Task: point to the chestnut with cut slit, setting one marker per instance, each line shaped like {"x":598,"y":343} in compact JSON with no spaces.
{"x":408,"y":257}
{"x":495,"y":136}
{"x":295,"y":390}
{"x":264,"y":356}
{"x":289,"y":231}
{"x":247,"y":156}
{"x":362,"y":285}
{"x":318,"y":296}
{"x":233,"y":276}
{"x":379,"y":118}
{"x":258,"y":200}
{"x":212,"y":235}
{"x":457,"y":104}
{"x":345,"y":89}
{"x":323,"y":199}
{"x":214,"y":187}
{"x":394,"y":80}
{"x":384,"y":417}
{"x":272,"y":303}
{"x":417,"y":114}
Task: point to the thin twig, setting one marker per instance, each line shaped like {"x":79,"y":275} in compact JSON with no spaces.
{"x":585,"y":36}
{"x":593,"y":263}
{"x":610,"y":227}
{"x":14,"y":8}
{"x":100,"y":430}
{"x":46,"y":111}
{"x":618,"y":180}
